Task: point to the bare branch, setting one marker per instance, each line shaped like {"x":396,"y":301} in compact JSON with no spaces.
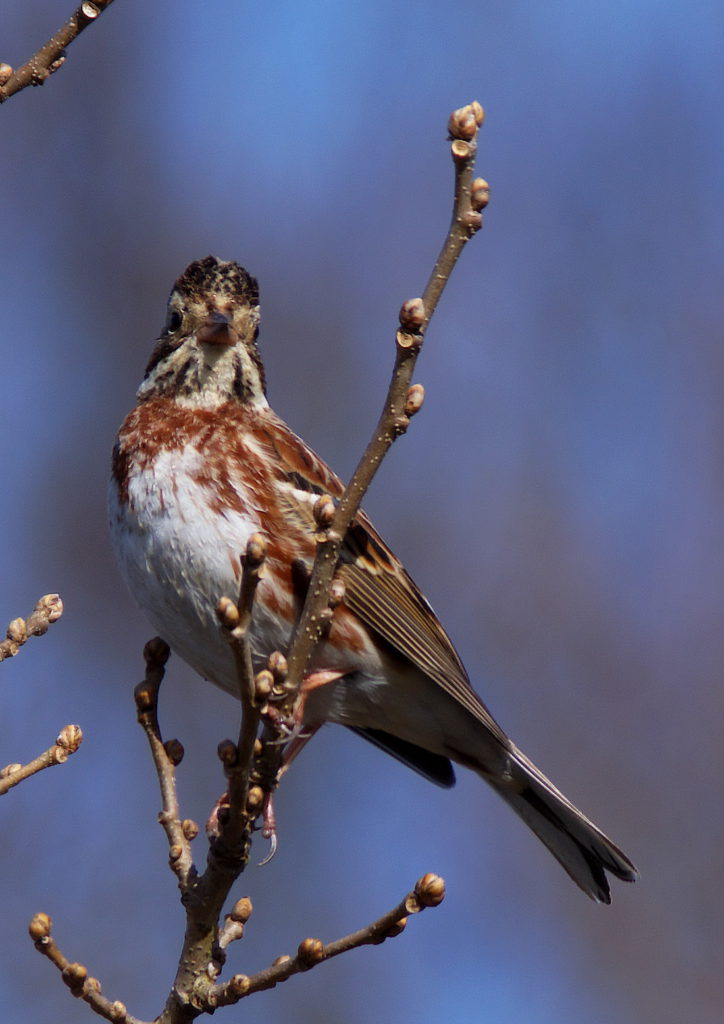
{"x":51,"y":57}
{"x":166,"y":757}
{"x":237,"y":620}
{"x":403,"y":400}
{"x":46,"y":611}
{"x":68,"y":741}
{"x":428,"y":892}
{"x":75,"y":975}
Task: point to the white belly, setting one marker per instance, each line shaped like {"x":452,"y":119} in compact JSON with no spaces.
{"x":178,"y":557}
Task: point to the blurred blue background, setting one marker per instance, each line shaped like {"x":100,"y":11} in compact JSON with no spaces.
{"x":559,"y":499}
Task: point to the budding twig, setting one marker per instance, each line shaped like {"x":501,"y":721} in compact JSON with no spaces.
{"x":46,"y":611}
{"x":51,"y":57}
{"x":76,"y":976}
{"x":68,"y":741}
{"x":428,"y":892}
{"x":403,"y":399}
{"x":166,"y":757}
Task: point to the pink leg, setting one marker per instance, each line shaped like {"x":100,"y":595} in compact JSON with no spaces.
{"x":300,"y":737}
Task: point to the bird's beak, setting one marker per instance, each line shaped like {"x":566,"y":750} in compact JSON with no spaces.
{"x":216,"y":329}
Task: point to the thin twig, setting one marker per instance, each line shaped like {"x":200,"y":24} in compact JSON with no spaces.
{"x":402,"y":401}
{"x":46,"y":611}
{"x":51,"y":57}
{"x":428,"y":892}
{"x":75,"y":975}
{"x":68,"y":741}
{"x":237,"y":619}
{"x":166,"y":757}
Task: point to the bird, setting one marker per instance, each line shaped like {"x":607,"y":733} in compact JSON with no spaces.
{"x":200,"y":465}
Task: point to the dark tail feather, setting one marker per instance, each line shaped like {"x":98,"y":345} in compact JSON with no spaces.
{"x":581,"y":848}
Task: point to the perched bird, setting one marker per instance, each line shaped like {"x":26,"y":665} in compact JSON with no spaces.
{"x":200,"y":464}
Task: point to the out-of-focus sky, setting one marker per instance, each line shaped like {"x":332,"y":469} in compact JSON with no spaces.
{"x":559,"y":498}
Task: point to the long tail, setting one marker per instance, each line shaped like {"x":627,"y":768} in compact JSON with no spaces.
{"x":581,"y":848}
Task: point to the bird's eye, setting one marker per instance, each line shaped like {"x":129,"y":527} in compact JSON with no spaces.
{"x":174,"y":321}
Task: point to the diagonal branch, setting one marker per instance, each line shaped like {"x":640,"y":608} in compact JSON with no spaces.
{"x":51,"y":57}
{"x":428,"y":892}
{"x":402,"y":400}
{"x":46,"y":611}
{"x":68,"y":741}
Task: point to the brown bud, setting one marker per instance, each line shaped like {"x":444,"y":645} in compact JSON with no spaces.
{"x":412,"y":315}
{"x":479,"y":194}
{"x":174,"y":751}
{"x":117,"y":1011}
{"x":145,"y":696}
{"x":430,"y":890}
{"x":10,"y":769}
{"x":156,"y":652}
{"x":90,"y":10}
{"x":255,"y":550}
{"x":190,"y":829}
{"x":238,"y":985}
{"x":70,"y":738}
{"x":397,"y":928}
{"x":254,"y":798}
{"x":241,"y":911}
{"x":337,"y":591}
{"x":465,"y":121}
{"x":39,"y":927}
{"x":175,"y":852}
{"x":414,"y":400}
{"x":52,"y":605}
{"x":277,"y":665}
{"x":58,"y":62}
{"x":263,"y":683}
{"x":324,"y":511}
{"x":227,"y":752}
{"x":16,"y":631}
{"x":5,"y":73}
{"x":310,"y":952}
{"x":93,"y":985}
{"x":74,"y":975}
{"x":227,"y":613}
{"x":283,"y":959}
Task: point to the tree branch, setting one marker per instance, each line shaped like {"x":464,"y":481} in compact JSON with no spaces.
{"x":402,"y":400}
{"x":46,"y":611}
{"x":75,"y":975}
{"x":50,"y":57}
{"x":68,"y":741}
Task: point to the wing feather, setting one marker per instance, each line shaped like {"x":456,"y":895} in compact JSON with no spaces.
{"x":377,"y":587}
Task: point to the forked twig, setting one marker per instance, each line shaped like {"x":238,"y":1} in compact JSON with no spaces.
{"x":428,"y":892}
